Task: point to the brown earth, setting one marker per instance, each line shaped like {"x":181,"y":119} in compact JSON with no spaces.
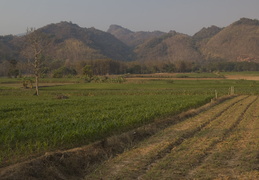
{"x":238,"y":77}
{"x":216,"y":141}
{"x":173,"y":76}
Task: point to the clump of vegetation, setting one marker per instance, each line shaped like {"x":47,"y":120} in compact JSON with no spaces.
{"x":61,"y":96}
{"x":64,"y":72}
{"x":253,"y":84}
{"x":104,"y":79}
{"x":13,"y":70}
{"x":200,"y":75}
{"x":27,"y":82}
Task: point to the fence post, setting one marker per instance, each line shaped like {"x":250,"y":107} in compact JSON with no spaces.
{"x":232,"y":90}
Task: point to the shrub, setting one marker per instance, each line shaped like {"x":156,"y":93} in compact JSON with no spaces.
{"x":64,"y":71}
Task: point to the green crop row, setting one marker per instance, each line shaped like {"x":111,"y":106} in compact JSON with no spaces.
{"x":32,"y":125}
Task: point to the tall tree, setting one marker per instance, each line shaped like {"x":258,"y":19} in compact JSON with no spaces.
{"x":13,"y":71}
{"x":36,"y":43}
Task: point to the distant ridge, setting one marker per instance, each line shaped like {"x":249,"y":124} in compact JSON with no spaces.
{"x":206,"y":33}
{"x":131,"y":38}
{"x":86,"y":43}
{"x":237,"y":42}
{"x":170,"y":47}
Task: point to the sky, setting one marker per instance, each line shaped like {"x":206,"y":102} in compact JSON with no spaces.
{"x":185,"y":16}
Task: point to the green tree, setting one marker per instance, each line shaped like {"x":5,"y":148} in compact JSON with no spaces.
{"x":87,"y":71}
{"x":13,"y":71}
{"x":64,"y":71}
{"x":181,"y":66}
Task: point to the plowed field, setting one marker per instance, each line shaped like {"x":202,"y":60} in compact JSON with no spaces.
{"x":220,"y":143}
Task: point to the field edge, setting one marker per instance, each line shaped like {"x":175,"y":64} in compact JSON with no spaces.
{"x":77,"y":162}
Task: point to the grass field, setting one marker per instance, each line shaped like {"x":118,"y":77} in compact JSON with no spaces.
{"x":32,"y":125}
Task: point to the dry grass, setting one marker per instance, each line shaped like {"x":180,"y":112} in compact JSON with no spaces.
{"x":136,"y":163}
{"x":203,"y":156}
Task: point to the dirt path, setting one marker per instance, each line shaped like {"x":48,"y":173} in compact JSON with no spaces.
{"x":245,"y":77}
{"x":219,"y":143}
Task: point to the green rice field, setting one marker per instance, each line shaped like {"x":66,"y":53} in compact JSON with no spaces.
{"x":75,"y":114}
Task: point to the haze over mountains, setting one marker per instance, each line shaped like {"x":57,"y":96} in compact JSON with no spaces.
{"x":237,"y":42}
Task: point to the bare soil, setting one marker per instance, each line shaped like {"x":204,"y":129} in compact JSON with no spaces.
{"x":238,"y":77}
{"x":216,"y":141}
{"x":173,"y":76}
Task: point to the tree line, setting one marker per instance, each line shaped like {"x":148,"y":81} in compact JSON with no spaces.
{"x":57,"y":69}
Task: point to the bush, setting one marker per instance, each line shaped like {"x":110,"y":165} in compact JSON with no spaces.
{"x":64,"y":71}
{"x":104,"y":79}
{"x":26,"y":82}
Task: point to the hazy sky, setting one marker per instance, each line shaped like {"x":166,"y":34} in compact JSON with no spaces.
{"x":185,"y":16}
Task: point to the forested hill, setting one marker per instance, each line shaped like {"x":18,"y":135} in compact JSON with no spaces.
{"x":237,"y":42}
{"x":206,"y":33}
{"x":9,"y":48}
{"x":77,"y":43}
{"x":171,"y":47}
{"x":131,"y":38}
{"x":71,"y":43}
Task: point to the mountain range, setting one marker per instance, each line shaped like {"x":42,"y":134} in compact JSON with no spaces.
{"x":69,"y":42}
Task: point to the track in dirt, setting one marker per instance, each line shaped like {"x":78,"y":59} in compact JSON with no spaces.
{"x":206,"y":146}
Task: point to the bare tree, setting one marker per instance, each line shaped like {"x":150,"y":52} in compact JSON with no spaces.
{"x":36,"y":43}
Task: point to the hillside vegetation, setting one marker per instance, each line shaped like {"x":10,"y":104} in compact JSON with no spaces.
{"x":237,"y":42}
{"x":85,"y":43}
{"x":131,"y":38}
{"x":72,"y":47}
{"x":73,"y":43}
{"x":170,"y":47}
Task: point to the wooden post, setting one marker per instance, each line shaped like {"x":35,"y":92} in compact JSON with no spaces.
{"x":233,"y":90}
